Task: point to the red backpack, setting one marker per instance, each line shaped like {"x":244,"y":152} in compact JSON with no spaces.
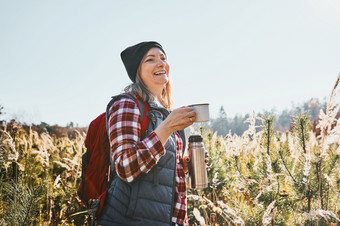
{"x":97,"y":166}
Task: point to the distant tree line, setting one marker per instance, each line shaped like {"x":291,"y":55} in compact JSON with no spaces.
{"x":236,"y":125}
{"x":70,"y":130}
{"x":43,"y":127}
{"x":222,"y":124}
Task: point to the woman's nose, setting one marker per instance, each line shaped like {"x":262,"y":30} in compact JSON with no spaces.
{"x":161,"y":63}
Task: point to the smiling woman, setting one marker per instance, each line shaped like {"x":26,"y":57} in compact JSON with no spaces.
{"x":153,"y":64}
{"x":149,"y":185}
{"x":154,"y":68}
{"x":154,"y":71}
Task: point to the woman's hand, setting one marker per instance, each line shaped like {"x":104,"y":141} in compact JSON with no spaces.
{"x":178,"y":119}
{"x":186,"y":161}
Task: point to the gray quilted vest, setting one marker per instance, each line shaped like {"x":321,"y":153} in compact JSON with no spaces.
{"x":148,"y":200}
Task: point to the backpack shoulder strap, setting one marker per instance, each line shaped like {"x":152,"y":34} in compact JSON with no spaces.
{"x":143,"y":108}
{"x":182,"y":135}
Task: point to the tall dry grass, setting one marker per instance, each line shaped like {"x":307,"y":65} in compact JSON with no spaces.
{"x":265,"y":177}
{"x":260,"y":178}
{"x":43,"y":170}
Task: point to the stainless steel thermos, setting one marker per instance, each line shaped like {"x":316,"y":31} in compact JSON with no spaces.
{"x":198,"y":177}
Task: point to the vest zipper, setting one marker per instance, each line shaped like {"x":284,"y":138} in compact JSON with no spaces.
{"x":154,"y":120}
{"x":174,"y":180}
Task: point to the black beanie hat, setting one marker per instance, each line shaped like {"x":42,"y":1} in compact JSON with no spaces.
{"x":133,"y":55}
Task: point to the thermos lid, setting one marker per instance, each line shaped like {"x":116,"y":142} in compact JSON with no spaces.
{"x":195,"y":138}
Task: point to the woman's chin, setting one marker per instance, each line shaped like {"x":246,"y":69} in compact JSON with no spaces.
{"x":161,"y":80}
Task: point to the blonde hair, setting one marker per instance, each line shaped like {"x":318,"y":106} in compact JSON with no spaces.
{"x":139,"y":89}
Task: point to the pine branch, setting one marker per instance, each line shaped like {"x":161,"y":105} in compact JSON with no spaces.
{"x":28,"y":209}
{"x":285,"y":165}
{"x":278,"y":186}
{"x":237,"y":168}
{"x":336,"y":203}
{"x":21,"y":203}
{"x":268,"y":136}
{"x":319,"y":168}
{"x":332,"y":165}
{"x":301,"y":129}
{"x":303,"y":136}
{"x":309,"y":197}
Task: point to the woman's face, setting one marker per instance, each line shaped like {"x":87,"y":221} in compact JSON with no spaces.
{"x":154,"y":69}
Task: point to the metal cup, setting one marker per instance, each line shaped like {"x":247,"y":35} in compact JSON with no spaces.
{"x":202,"y":112}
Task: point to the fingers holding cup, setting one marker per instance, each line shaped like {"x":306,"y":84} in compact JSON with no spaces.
{"x":202,"y":112}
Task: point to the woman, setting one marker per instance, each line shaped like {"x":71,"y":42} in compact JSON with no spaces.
{"x":149,"y":187}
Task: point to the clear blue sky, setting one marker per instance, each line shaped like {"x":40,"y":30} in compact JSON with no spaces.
{"x":60,"y":62}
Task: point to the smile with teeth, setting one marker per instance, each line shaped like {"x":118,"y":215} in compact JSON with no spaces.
{"x":160,"y":73}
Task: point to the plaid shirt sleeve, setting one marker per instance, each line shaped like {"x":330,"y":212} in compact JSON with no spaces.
{"x":132,"y":156}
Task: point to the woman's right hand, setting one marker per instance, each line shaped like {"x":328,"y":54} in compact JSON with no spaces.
{"x":178,"y":119}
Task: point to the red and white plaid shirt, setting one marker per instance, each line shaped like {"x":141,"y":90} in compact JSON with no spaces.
{"x":134,"y":157}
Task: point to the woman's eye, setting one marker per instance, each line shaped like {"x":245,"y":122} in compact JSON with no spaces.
{"x":148,"y":60}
